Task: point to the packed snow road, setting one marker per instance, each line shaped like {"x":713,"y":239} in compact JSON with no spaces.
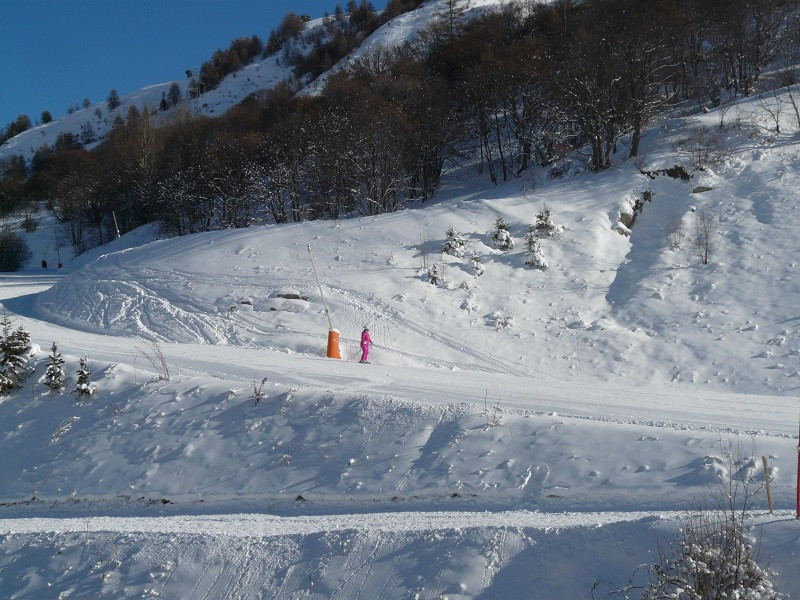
{"x":261,"y":525}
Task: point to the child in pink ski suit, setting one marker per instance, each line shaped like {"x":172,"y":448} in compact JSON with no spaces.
{"x":366,"y":342}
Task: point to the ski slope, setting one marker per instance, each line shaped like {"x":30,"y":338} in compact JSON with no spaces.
{"x":525,"y":433}
{"x":520,"y":433}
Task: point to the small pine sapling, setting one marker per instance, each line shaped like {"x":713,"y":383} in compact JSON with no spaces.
{"x":477,"y":265}
{"x":544,"y":223}
{"x":83,"y":386}
{"x":454,"y":244}
{"x":534,"y":247}
{"x":435,"y":274}
{"x":54,"y":376}
{"x":501,"y":236}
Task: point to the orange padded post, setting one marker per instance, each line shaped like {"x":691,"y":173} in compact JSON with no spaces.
{"x":333,"y":344}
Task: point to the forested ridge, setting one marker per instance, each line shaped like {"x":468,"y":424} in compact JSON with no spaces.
{"x":503,"y":90}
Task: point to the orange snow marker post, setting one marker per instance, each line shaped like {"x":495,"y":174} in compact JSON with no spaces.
{"x":333,"y":334}
{"x":333,"y":344}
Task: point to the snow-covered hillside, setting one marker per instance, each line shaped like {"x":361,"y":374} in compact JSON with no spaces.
{"x":262,"y":73}
{"x":624,"y":310}
{"x":525,"y":429}
{"x":523,"y":433}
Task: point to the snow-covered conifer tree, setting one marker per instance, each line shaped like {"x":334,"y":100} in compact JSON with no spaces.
{"x":83,"y":386}
{"x":54,"y":376}
{"x":477,"y":266}
{"x":534,"y":247}
{"x":544,"y":223}
{"x":501,"y":236}
{"x":13,"y":362}
{"x":435,"y":274}
{"x":454,"y":244}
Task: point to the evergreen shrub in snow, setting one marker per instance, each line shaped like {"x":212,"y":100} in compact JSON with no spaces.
{"x":501,"y":236}
{"x":54,"y":376}
{"x":545,"y":226}
{"x":435,"y":274}
{"x":83,"y":386}
{"x":534,"y":247}
{"x":14,"y":347}
{"x":454,"y":243}
{"x":477,"y":265}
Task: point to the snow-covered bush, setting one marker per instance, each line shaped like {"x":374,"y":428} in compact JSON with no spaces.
{"x":499,"y":319}
{"x":83,"y":385}
{"x":477,"y":265}
{"x":545,"y":226}
{"x":501,"y":236}
{"x":14,"y":347}
{"x":54,"y":376}
{"x":435,"y":274}
{"x":534,"y":247}
{"x":713,"y":555}
{"x":454,"y":244}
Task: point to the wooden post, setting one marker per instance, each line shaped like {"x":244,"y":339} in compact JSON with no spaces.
{"x":766,"y":478}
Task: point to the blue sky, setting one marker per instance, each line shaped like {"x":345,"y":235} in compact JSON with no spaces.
{"x":55,"y":53}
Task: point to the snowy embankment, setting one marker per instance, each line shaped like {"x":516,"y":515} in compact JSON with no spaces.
{"x":522,"y":430}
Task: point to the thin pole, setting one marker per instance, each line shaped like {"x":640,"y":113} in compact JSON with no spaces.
{"x":766,"y":478}
{"x":798,"y":473}
{"x":113,"y":214}
{"x":327,"y":314}
{"x":58,"y":250}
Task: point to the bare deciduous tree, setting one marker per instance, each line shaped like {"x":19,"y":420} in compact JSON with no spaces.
{"x":675,"y":233}
{"x":772,"y":104}
{"x":706,"y":230}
